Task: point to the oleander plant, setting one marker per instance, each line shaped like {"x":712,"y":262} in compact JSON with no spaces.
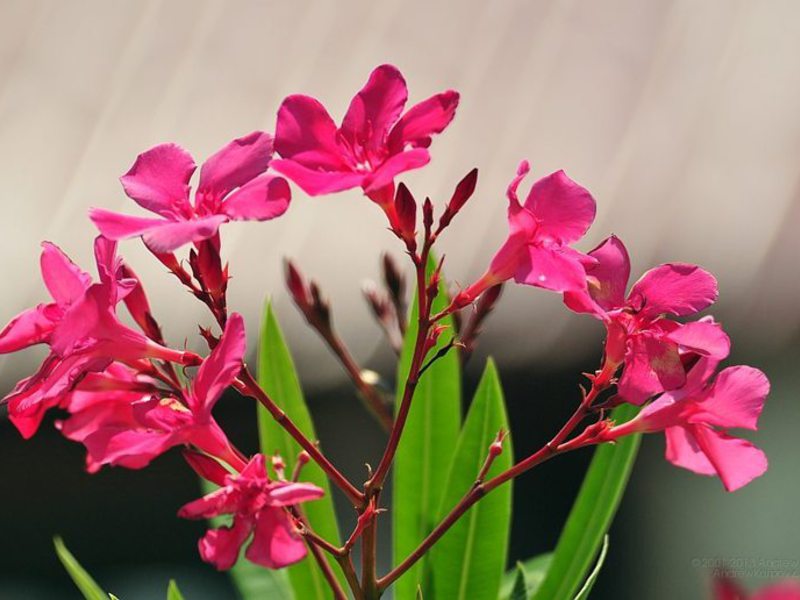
{"x":128,"y":395}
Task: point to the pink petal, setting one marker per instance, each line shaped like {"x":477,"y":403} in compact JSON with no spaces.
{"x":221,"y":367}
{"x":399,"y":163}
{"x":220,"y":547}
{"x":306,"y":134}
{"x":285,"y":494}
{"x":676,"y":288}
{"x":171,"y":236}
{"x":651,"y":366}
{"x":375,"y":108}
{"x":564,"y":209}
{"x":116,"y":226}
{"x":783,"y":590}
{"x":237,"y":163}
{"x":263,"y":198}
{"x":218,"y":502}
{"x":65,"y":281}
{"x":736,"y":399}
{"x":608,"y":277}
{"x":206,"y":467}
{"x":665,"y":362}
{"x":275,"y":544}
{"x":684,"y":451}
{"x":316,"y":183}
{"x":704,"y":337}
{"x":159,"y":180}
{"x":557,"y":269}
{"x":32,"y":326}
{"x":423,"y":120}
{"x":132,"y":449}
{"x":736,"y":461}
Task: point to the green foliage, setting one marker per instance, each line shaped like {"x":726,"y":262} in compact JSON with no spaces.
{"x":173,"y":593}
{"x":82,"y":579}
{"x":534,"y":570}
{"x":278,"y":378}
{"x":591,"y":515}
{"x":468,"y":562}
{"x":520,"y":589}
{"x":587,"y":587}
{"x":426,"y":449}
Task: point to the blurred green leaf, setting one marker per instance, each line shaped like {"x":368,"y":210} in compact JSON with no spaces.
{"x":173,"y":593}
{"x":520,"y":589}
{"x":468,"y":562}
{"x":426,"y":448}
{"x":535,"y":570}
{"x":587,"y":587}
{"x":592,"y":513}
{"x":278,"y":378}
{"x":82,"y":579}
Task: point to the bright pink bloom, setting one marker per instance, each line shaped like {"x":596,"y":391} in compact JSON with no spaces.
{"x":233,"y":187}
{"x":556,"y":213}
{"x":131,"y":434}
{"x":696,"y":417}
{"x":638,"y":332}
{"x":81,"y":328}
{"x":727,"y":589}
{"x":256,"y":504}
{"x":372,"y":146}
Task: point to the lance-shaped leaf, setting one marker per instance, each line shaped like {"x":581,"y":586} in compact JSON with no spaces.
{"x":519,"y":591}
{"x":426,"y":449}
{"x":592,"y":513}
{"x":173,"y":592}
{"x":534,"y":569}
{"x":84,"y":582}
{"x":278,"y":378}
{"x":468,"y":562}
{"x":590,"y":581}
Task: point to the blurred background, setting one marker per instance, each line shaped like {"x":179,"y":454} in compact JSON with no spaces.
{"x":681,"y":117}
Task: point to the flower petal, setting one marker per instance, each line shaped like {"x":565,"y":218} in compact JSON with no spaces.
{"x":704,"y":337}
{"x":159,"y":180}
{"x":285,"y":494}
{"x":651,"y":366}
{"x":32,"y":326}
{"x":221,"y":367}
{"x":116,"y":226}
{"x":275,"y":544}
{"x":423,"y":120}
{"x":65,"y":281}
{"x":399,"y":163}
{"x":263,"y":198}
{"x":306,"y":134}
{"x":564,"y":209}
{"x":608,"y":277}
{"x":375,"y":108}
{"x":736,"y":461}
{"x":557,"y":269}
{"x":679,"y":289}
{"x":220,"y":547}
{"x":171,"y":236}
{"x":735,"y":399}
{"x":684,"y":451}
{"x":234,"y":165}
{"x":316,"y":183}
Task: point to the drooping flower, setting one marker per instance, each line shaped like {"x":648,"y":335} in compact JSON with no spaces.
{"x":639,"y":332}
{"x":371,"y":147}
{"x":131,"y":434}
{"x":82,"y":330}
{"x":257,"y":505}
{"x":233,"y":186}
{"x":556,"y":213}
{"x":696,"y":419}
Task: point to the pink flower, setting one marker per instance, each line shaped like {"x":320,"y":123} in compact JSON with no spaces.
{"x":233,"y":186}
{"x":556,"y":213}
{"x":256,"y":504}
{"x":638,"y":331}
{"x":132,"y":430}
{"x":81,"y":328}
{"x":372,"y":146}
{"x":696,"y":419}
{"x":727,"y":589}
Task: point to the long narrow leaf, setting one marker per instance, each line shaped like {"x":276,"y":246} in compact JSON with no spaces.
{"x":82,"y":579}
{"x":591,"y":514}
{"x":468,"y":562}
{"x":590,"y":581}
{"x":426,"y":448}
{"x":277,"y":376}
{"x":535,"y":570}
{"x":520,"y":589}
{"x":173,"y":592}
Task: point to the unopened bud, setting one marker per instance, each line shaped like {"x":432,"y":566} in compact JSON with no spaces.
{"x":462,"y":193}
{"x":406,"y":208}
{"x":427,"y":214}
{"x":296,"y":284}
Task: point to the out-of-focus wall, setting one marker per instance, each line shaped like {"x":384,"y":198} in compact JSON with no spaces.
{"x":682,"y":118}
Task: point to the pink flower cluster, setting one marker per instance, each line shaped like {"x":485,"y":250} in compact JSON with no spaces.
{"x":127,"y":395}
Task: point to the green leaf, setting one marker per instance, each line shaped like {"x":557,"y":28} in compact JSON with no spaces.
{"x":253,"y":581}
{"x":426,"y":448}
{"x":591,"y":514}
{"x":278,"y":378}
{"x":587,"y":587}
{"x":520,"y":589}
{"x":173,"y":593}
{"x":534,"y":569}
{"x":468,"y":562}
{"x":82,"y":579}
